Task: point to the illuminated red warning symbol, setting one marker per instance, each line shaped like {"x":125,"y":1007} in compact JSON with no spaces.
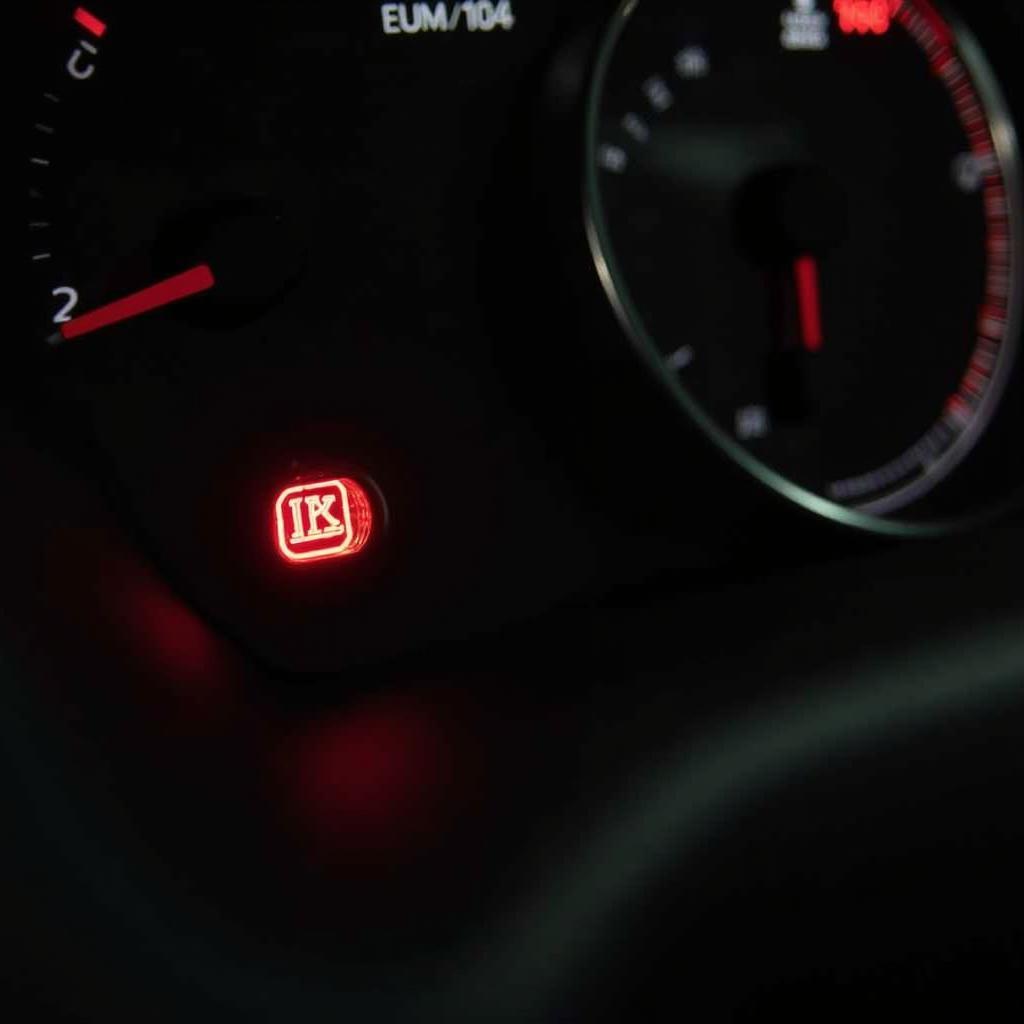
{"x":330,"y":519}
{"x":864,"y":17}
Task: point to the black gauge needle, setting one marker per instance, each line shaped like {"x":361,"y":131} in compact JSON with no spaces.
{"x":174,"y":289}
{"x":808,"y":290}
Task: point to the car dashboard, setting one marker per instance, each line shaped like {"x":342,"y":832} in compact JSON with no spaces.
{"x":515,"y":512}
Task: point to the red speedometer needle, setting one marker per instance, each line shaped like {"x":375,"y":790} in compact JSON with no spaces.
{"x":181,"y":286}
{"x":808,"y":293}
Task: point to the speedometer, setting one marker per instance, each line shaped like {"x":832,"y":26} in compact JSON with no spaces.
{"x":807,"y":216}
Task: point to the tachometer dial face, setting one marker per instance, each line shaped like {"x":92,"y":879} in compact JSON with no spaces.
{"x":807,"y":215}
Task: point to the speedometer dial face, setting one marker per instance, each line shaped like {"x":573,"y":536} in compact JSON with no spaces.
{"x":807,"y":216}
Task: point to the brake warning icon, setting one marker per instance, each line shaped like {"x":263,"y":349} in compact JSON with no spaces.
{"x":329,"y":519}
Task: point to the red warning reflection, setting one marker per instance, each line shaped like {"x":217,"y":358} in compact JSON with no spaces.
{"x":384,"y":783}
{"x":328,"y":519}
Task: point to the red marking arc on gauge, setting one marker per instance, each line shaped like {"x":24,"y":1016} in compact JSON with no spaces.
{"x":925,"y":24}
{"x":927,"y":27}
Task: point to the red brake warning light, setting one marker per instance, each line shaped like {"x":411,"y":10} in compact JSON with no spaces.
{"x":329,"y":519}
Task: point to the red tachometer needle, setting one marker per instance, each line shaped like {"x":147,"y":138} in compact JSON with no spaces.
{"x":808,"y":293}
{"x":181,"y":286}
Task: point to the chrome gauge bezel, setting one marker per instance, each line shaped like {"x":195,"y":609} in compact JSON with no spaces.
{"x":884,"y":515}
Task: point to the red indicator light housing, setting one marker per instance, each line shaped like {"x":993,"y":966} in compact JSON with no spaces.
{"x":866,"y":17}
{"x":90,"y":23}
{"x":317,"y":521}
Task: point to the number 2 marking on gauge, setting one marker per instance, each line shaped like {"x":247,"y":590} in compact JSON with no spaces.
{"x":70,"y":299}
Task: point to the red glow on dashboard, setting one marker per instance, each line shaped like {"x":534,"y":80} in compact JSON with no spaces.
{"x":328,"y":519}
{"x":372,"y":783}
{"x":90,"y":23}
{"x":191,"y":678}
{"x":866,"y":17}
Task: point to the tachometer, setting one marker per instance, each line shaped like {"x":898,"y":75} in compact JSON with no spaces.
{"x":808,"y":218}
